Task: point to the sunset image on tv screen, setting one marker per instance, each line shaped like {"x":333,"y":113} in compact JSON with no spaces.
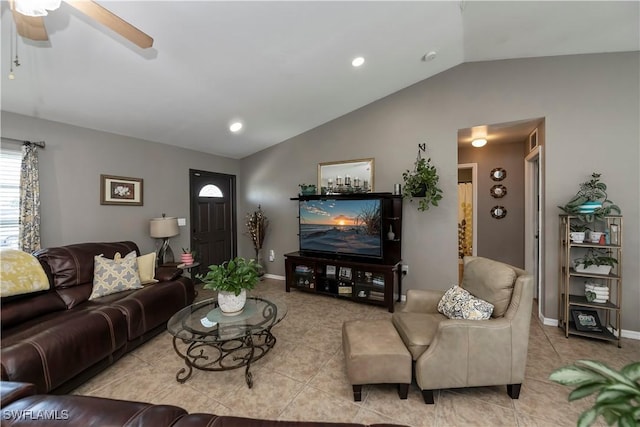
{"x":341,"y":226}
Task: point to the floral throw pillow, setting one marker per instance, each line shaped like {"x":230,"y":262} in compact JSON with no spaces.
{"x":458,"y":303}
{"x":115,"y":275}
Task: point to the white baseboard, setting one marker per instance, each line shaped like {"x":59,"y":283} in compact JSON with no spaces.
{"x":274,"y":276}
{"x":634,"y":335}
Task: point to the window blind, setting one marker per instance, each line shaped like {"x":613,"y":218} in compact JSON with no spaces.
{"x":10,"y":160}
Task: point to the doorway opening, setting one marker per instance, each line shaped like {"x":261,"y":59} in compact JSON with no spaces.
{"x":213,"y":218}
{"x":508,"y":204}
{"x":534,"y":222}
{"x":467,"y":212}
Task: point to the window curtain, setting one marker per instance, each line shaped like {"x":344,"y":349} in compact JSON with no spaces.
{"x":29,"y":220}
{"x":465,"y":219}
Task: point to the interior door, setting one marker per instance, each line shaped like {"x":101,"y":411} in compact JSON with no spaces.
{"x":213,"y":213}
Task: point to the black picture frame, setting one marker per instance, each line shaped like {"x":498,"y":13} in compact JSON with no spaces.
{"x":121,"y":190}
{"x":586,"y":320}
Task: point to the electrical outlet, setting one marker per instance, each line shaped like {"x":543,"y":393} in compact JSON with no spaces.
{"x":405,"y":269}
{"x":272,"y":255}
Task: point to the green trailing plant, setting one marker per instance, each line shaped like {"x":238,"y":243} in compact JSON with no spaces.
{"x":579,"y":227}
{"x":231,"y":276}
{"x":618,"y":393}
{"x":592,"y":190}
{"x":307,"y":189}
{"x":597,"y":257}
{"x":422,"y":182}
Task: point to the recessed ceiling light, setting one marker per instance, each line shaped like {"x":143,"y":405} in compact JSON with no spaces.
{"x":357,"y":61}
{"x":235,"y":126}
{"x":480,"y":142}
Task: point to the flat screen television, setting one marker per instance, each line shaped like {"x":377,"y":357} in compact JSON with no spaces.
{"x":342,"y":227}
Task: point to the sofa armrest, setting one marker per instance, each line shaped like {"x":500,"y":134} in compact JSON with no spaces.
{"x":12,"y":391}
{"x":166,"y":274}
{"x":422,"y":301}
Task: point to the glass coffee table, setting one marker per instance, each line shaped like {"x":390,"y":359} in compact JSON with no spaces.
{"x":210,"y":341}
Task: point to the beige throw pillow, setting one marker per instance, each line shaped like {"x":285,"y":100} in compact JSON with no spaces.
{"x":115,"y":275}
{"x":147,"y":268}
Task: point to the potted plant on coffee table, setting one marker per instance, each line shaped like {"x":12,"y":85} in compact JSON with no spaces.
{"x":231,"y":279}
{"x":422,"y":182}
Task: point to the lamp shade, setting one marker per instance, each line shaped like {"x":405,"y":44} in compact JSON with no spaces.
{"x":163,"y":227}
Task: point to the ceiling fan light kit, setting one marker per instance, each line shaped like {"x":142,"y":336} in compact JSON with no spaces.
{"x":28,"y":14}
{"x":36,"y":7}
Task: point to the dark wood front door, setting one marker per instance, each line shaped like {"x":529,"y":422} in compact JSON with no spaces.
{"x":213,"y":217}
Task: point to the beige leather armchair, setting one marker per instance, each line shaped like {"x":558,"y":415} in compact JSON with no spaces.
{"x":452,"y":353}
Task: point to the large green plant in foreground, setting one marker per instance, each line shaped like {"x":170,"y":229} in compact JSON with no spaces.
{"x":618,"y":398}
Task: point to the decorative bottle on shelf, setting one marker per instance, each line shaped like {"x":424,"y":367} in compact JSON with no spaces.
{"x":391,"y":235}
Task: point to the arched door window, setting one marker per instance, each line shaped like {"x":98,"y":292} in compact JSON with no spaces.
{"x":210,"y":190}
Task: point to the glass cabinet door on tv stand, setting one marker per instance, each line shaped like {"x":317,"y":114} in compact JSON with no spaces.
{"x":378,"y":284}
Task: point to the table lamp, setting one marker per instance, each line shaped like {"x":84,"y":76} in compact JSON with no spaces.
{"x":163,"y":228}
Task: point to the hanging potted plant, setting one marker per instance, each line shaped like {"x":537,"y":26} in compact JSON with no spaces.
{"x":231,"y":279}
{"x":257,"y":224}
{"x":591,"y":201}
{"x":422,"y":182}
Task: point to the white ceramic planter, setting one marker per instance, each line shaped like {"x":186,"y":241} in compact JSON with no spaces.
{"x":577,"y":236}
{"x":231,"y":304}
{"x":595,"y":269}
{"x":594,"y":236}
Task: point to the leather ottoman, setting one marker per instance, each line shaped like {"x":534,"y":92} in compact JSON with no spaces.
{"x":375,"y":354}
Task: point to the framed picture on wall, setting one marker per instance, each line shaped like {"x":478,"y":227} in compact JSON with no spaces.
{"x":120,"y":190}
{"x":586,"y":320}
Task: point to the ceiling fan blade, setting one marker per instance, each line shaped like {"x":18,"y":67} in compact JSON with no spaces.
{"x":29,"y":27}
{"x":112,"y":21}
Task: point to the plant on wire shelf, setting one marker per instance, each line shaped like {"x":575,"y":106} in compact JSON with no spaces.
{"x":591,"y":201}
{"x":597,"y":257}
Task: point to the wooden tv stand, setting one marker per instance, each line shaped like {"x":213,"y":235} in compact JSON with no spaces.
{"x":371,"y":283}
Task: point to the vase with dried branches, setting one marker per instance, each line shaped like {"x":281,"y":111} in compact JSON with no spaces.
{"x":257,"y":224}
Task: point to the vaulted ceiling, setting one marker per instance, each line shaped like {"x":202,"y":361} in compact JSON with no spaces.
{"x":281,"y":68}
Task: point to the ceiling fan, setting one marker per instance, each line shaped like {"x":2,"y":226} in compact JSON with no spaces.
{"x":28,"y":16}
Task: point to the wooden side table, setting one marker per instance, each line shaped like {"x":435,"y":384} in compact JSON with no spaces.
{"x":186,"y":267}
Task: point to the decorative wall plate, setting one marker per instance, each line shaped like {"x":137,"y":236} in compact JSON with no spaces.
{"x":498,"y":191}
{"x":498,"y":174}
{"x":498,"y":212}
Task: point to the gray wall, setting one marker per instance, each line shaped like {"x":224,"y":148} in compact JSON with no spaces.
{"x":499,"y":239}
{"x":590,"y":104}
{"x":70,"y":168}
{"x":591,"y":107}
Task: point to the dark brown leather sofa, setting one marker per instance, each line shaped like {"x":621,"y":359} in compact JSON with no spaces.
{"x":57,"y":339}
{"x":22,"y":407}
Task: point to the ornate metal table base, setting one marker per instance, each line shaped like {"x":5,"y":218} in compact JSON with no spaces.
{"x":223,"y":355}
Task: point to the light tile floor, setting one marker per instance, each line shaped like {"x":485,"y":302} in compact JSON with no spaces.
{"x":304,"y":378}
